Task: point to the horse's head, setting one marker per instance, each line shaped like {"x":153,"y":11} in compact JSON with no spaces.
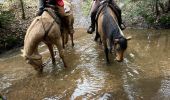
{"x":120,"y":48}
{"x":36,"y":62}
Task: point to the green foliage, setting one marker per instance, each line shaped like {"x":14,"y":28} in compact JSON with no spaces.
{"x":6,"y":17}
{"x":149,"y":10}
{"x":150,"y":19}
{"x":86,"y":7}
{"x":165,"y":20}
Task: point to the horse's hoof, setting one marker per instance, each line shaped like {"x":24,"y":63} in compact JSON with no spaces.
{"x":72,"y":45}
{"x":53,"y":62}
{"x":108,"y":63}
{"x":39,"y":72}
{"x":118,"y":60}
{"x":95,"y":40}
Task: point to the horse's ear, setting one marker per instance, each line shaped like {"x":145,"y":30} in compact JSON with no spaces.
{"x":129,"y":38}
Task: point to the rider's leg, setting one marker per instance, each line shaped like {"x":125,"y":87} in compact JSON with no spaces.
{"x":122,"y":26}
{"x":41,"y":7}
{"x":94,"y":9}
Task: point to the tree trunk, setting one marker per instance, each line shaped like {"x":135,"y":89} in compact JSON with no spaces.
{"x":22,"y":8}
{"x":169,"y":5}
{"x":157,"y":9}
{"x":0,"y":25}
{"x":162,"y":7}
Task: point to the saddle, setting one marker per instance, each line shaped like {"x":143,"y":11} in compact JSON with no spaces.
{"x":103,"y":3}
{"x":63,"y":20}
{"x":52,"y":13}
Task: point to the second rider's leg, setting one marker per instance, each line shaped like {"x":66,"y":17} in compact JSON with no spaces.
{"x":41,"y":7}
{"x":94,"y":9}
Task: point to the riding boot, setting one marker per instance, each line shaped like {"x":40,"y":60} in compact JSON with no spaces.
{"x":121,"y":24}
{"x":91,"y":28}
{"x":93,"y":11}
{"x":42,"y":4}
{"x":119,"y":14}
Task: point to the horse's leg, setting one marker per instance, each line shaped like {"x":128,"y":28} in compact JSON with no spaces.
{"x":50,"y":47}
{"x":97,"y":33}
{"x":63,"y":39}
{"x":32,"y":55}
{"x":110,"y":49}
{"x":97,"y":36}
{"x":111,"y":45}
{"x":38,"y":67}
{"x":71,"y":29}
{"x":71,"y":35}
{"x":66,"y":36}
{"x":58,"y":43}
{"x":106,"y":50}
{"x":106,"y":53}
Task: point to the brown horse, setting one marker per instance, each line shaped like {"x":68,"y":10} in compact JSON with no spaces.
{"x":68,"y":24}
{"x":110,"y":33}
{"x":42,"y":29}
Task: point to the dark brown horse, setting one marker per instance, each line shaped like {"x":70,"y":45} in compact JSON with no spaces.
{"x":68,"y":24}
{"x":110,"y":33}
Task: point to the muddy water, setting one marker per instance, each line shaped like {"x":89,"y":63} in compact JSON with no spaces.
{"x":143,"y":75}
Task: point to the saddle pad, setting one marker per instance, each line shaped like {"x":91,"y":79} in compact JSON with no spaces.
{"x":66,"y":9}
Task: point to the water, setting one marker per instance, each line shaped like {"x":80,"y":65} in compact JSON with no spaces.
{"x":144,"y":74}
{"x":1,"y":1}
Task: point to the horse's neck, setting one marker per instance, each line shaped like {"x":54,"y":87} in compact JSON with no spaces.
{"x":115,"y":19}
